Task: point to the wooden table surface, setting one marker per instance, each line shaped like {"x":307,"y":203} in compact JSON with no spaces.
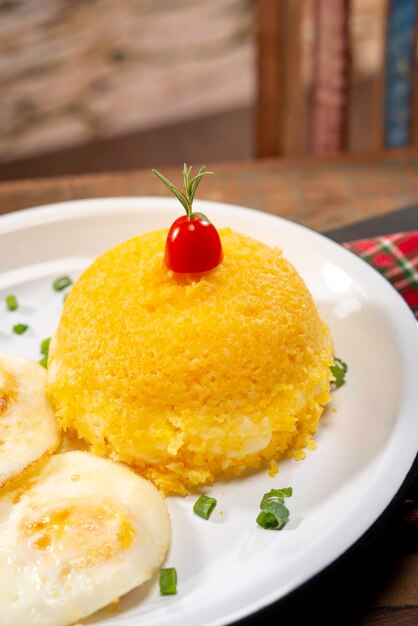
{"x":322,"y":194}
{"x":380,"y":584}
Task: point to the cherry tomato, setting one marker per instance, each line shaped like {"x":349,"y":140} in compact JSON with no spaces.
{"x":193,"y":245}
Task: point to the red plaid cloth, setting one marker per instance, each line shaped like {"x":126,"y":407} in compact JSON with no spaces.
{"x":396,"y":257}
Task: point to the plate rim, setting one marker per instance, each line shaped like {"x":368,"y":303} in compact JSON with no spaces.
{"x":60,"y":211}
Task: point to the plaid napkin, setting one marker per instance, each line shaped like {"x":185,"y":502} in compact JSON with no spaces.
{"x":396,"y":257}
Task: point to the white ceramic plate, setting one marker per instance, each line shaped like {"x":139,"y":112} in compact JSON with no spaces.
{"x":228,"y":567}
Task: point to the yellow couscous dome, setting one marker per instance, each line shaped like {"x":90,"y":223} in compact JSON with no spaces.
{"x":185,"y":377}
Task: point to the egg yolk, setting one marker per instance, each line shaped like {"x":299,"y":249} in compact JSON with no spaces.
{"x":82,"y":534}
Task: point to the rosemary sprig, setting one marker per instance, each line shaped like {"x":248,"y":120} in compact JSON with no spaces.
{"x":187,"y":194}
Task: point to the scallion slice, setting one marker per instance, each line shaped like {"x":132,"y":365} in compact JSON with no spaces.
{"x":62,"y":283}
{"x":12,"y":303}
{"x":267,"y":520}
{"x":45,"y":346}
{"x":274,"y":514}
{"x":204,"y":506}
{"x":276,"y":494}
{"x":168,"y":581}
{"x":44,"y":361}
{"x":19,"y":329}
{"x":339,"y":370}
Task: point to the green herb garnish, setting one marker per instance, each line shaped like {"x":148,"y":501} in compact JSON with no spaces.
{"x":62,"y":283}
{"x":276,"y":494}
{"x":204,"y":506}
{"x":44,"y":361}
{"x":274,"y":514}
{"x":338,"y":370}
{"x":12,"y":303}
{"x":44,"y":349}
{"x":187,"y":194}
{"x":45,"y":346}
{"x":19,"y":329}
{"x":168,"y":581}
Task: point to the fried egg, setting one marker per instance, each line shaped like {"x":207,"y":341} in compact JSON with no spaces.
{"x":75,"y":536}
{"x":28,"y":429}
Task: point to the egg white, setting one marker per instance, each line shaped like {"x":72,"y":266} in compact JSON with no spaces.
{"x":28,"y":428}
{"x":74,"y":536}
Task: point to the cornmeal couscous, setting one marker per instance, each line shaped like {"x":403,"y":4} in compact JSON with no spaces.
{"x":184,"y":377}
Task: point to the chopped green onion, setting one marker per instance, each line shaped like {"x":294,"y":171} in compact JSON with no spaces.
{"x":204,"y":506}
{"x":267,"y":520}
{"x":338,"y":370}
{"x":45,"y":346}
{"x":19,"y":329}
{"x":168,"y":581}
{"x":62,"y":283}
{"x":45,"y":351}
{"x":276,"y":494}
{"x":274,"y":514}
{"x":12,"y":303}
{"x":44,"y":361}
